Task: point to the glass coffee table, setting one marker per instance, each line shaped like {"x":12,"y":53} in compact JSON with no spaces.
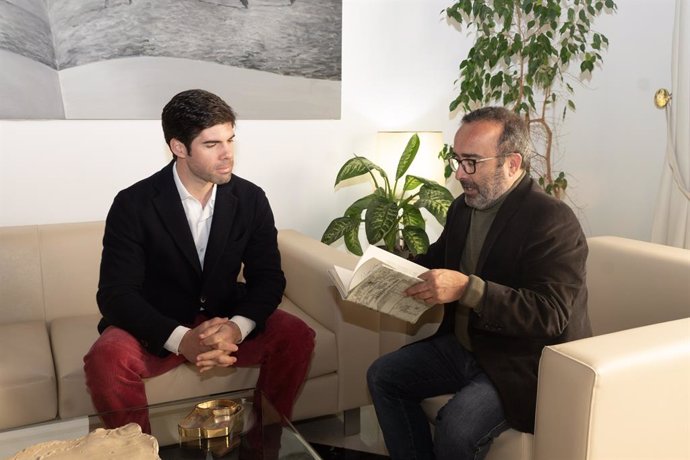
{"x":262,"y":433}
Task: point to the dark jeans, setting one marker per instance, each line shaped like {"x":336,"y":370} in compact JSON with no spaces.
{"x":465,"y":426}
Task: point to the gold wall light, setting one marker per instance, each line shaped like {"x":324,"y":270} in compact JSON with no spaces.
{"x":661,"y":98}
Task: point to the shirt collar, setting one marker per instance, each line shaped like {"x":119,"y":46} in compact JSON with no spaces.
{"x":185,"y":195}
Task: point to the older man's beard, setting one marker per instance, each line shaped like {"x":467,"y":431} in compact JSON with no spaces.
{"x":488,"y":194}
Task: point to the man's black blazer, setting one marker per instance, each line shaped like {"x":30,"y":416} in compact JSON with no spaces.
{"x":533,"y":263}
{"x":151,"y":280}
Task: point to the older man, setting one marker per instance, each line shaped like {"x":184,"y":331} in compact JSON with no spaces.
{"x":510,"y":269}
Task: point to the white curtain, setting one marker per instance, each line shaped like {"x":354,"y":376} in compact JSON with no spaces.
{"x":672,"y":217}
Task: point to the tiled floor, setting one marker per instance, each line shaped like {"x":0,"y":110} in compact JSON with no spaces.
{"x":330,"y":431}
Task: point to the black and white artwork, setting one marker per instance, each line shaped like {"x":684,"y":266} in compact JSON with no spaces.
{"x":124,"y":59}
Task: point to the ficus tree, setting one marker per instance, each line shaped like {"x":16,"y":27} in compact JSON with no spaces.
{"x":527,"y":56}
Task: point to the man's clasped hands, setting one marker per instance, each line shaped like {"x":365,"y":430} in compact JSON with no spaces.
{"x":211,"y":344}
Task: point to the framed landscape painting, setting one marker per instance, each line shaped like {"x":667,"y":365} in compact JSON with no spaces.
{"x":124,"y":59}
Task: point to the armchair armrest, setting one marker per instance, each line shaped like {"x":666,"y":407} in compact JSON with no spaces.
{"x":305,"y":262}
{"x":619,"y":395}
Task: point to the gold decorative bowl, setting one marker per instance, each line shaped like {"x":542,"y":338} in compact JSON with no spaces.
{"x":212,"y":419}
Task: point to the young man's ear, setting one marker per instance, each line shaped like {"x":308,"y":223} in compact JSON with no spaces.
{"x":178,"y":149}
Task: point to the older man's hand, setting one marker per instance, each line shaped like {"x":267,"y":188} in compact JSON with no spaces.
{"x":439,"y":286}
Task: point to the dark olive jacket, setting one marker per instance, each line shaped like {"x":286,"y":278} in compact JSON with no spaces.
{"x":533,"y":263}
{"x":151,"y":280}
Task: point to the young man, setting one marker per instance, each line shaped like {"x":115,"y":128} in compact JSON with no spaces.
{"x":173,"y":247}
{"x":510,"y":268}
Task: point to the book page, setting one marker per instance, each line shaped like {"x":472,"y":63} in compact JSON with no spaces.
{"x":402,"y":265}
{"x":363,"y":271}
{"x":341,"y":279}
{"x":383,"y":290}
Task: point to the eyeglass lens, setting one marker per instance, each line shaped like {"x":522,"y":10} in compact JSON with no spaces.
{"x":469,"y":165}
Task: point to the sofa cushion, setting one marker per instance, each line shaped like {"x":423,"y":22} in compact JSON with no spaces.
{"x":72,"y":337}
{"x":27,"y":380}
{"x":70,"y":260}
{"x":21,"y":286}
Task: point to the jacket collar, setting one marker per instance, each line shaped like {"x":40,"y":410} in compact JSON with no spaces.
{"x":168,"y":204}
{"x":509,"y":207}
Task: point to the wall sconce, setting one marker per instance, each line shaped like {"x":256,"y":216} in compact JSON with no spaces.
{"x":391,"y":144}
{"x":661,"y":98}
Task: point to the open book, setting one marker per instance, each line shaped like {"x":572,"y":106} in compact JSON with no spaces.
{"x":379,"y":282}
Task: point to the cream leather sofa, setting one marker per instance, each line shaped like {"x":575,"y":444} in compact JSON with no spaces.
{"x":622,"y":394}
{"x":48,"y":317}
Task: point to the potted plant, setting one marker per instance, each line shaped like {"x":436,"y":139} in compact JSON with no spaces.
{"x":392,"y":212}
{"x":521,"y":58}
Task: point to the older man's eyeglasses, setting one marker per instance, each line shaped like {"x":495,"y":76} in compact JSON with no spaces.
{"x":469,"y":165}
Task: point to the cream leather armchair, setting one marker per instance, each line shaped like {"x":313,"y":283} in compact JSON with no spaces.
{"x":624,"y":393}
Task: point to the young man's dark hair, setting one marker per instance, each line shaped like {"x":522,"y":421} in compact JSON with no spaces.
{"x":190,"y":112}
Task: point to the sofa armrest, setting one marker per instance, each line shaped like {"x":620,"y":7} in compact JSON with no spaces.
{"x":305,"y":262}
{"x":619,"y":395}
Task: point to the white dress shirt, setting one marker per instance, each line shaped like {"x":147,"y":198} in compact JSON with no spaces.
{"x":199,"y":219}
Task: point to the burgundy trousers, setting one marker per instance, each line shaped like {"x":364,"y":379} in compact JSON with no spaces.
{"x":117,"y":364}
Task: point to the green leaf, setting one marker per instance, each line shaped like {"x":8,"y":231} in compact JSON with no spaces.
{"x":380,"y":193}
{"x":352,"y":243}
{"x":356,"y":208}
{"x":571,"y":14}
{"x":416,"y":240}
{"x":446,"y":152}
{"x":407,"y":156}
{"x":355,"y":167}
{"x":497,"y":80}
{"x":412,"y":182}
{"x":454,"y":105}
{"x":380,"y":218}
{"x":412,"y":217}
{"x":447,"y":171}
{"x":390,"y":239}
{"x":337,"y":228}
{"x":422,"y":181}
{"x":436,"y":200}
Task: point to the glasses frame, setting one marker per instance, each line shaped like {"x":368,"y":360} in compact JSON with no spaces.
{"x":469,"y":165}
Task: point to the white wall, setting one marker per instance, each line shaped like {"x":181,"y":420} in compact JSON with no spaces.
{"x":399,"y":66}
{"x":615,"y":143}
